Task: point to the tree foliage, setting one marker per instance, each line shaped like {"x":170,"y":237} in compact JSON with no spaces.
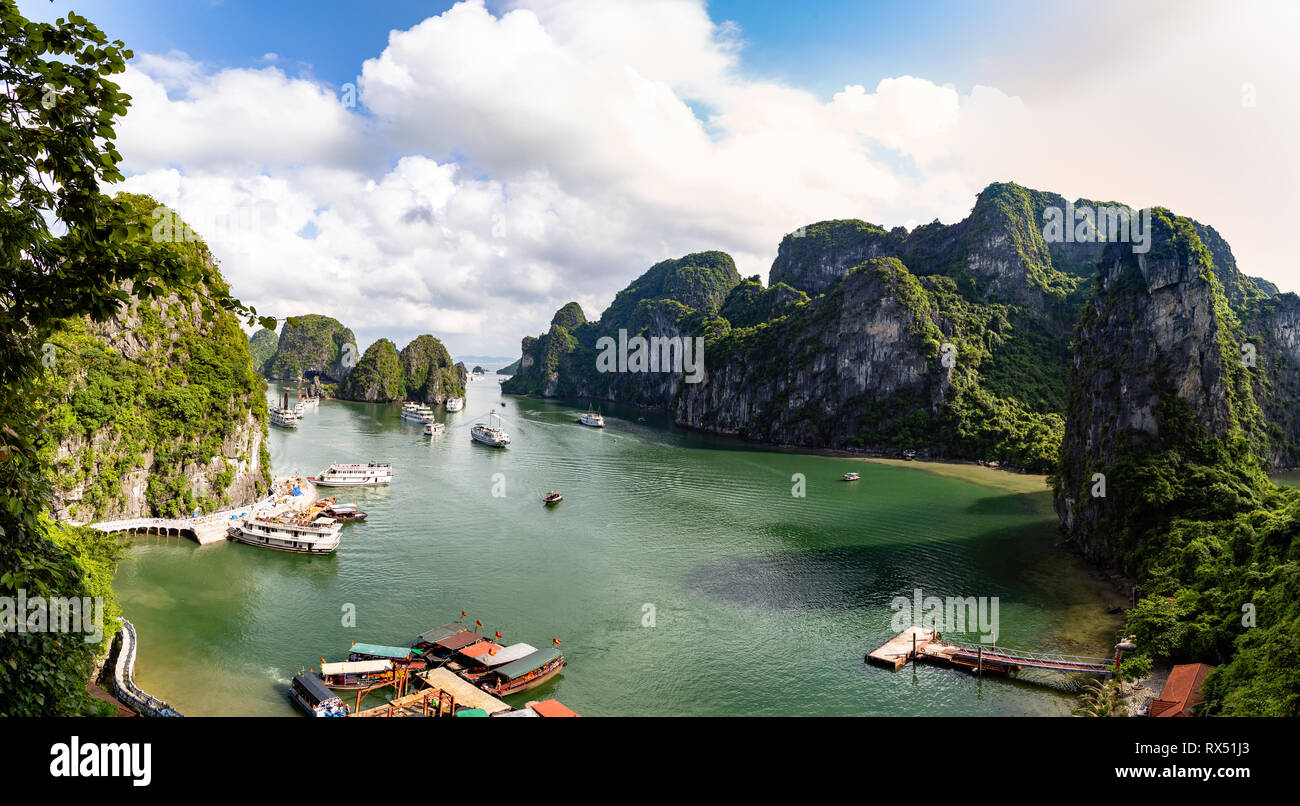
{"x":68,"y":250}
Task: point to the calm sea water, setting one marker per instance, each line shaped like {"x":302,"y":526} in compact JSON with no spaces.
{"x":681,"y":574}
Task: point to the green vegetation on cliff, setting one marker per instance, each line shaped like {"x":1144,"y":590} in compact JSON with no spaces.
{"x":699,"y":281}
{"x":69,"y":252}
{"x":377,"y":377}
{"x":312,"y":345}
{"x":1187,"y":510}
{"x":428,"y":374}
{"x":750,"y":304}
{"x":262,"y":346}
{"x":160,"y":382}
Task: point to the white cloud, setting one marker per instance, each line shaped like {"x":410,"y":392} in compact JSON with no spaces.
{"x":503,"y":164}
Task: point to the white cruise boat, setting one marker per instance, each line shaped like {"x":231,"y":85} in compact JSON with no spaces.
{"x":341,"y":475}
{"x":592,"y":418}
{"x":455,"y":403}
{"x":417,"y":413}
{"x":286,"y":533}
{"x":284,"y":418}
{"x":490,"y":433}
{"x":434,"y":428}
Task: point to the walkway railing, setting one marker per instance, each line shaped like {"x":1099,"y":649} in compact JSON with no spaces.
{"x":124,"y":685}
{"x":143,"y":523}
{"x":1026,"y":655}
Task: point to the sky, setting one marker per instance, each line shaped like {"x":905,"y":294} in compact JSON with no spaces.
{"x":466,"y":169}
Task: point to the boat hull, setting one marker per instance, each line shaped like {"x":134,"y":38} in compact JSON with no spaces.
{"x":282,"y":544}
{"x":356,"y":686}
{"x":525,"y":685}
{"x":319,"y":482}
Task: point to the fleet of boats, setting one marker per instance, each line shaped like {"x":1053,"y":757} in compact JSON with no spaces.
{"x":500,"y":670}
{"x":286,"y":416}
{"x":490,"y":433}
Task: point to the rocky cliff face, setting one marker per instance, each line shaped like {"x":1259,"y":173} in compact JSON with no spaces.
{"x":313,"y":346}
{"x":1238,"y":289}
{"x":429,"y":376}
{"x":1161,"y":470}
{"x":870,"y":345}
{"x":841,"y":350}
{"x":423,"y":371}
{"x":377,"y":377}
{"x":1156,"y":369}
{"x":673,"y":299}
{"x":155,"y":412}
{"x":997,"y":253}
{"x":262,"y":345}
{"x":1272,"y":328}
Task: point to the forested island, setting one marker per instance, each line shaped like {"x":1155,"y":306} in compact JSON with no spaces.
{"x":1163,"y":372}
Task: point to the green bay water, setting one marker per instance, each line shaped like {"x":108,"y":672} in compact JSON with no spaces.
{"x":680,"y":573}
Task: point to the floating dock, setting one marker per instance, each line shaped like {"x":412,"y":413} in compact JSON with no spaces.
{"x":918,"y":643}
{"x":898,"y":650}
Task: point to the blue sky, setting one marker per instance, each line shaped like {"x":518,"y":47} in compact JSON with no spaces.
{"x":504,"y":159}
{"x":816,"y":46}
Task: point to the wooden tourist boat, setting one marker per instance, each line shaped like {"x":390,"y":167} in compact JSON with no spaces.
{"x":427,"y":640}
{"x":520,"y":675}
{"x":399,"y":657}
{"x":356,"y":675}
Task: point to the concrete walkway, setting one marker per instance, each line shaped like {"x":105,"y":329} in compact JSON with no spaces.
{"x":208,"y":529}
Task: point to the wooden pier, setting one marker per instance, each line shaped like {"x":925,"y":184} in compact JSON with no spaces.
{"x":921,"y":644}
{"x":443,"y":694}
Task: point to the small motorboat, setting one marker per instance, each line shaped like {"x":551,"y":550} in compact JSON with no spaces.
{"x":345,"y":512}
{"x":430,"y":429}
{"x":553,"y":497}
{"x":850,"y":477}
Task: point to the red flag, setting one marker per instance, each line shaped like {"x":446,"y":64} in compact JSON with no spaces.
{"x":463,"y":614}
{"x":556,"y":640}
{"x":498,"y":635}
{"x":478,"y":623}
